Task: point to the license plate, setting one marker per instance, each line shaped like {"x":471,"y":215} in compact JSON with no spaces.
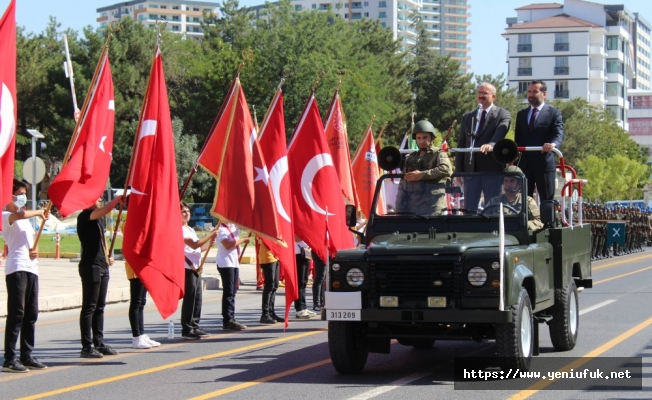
{"x":343,"y":315}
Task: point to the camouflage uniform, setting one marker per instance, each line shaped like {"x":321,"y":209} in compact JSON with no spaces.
{"x":533,"y":214}
{"x":427,"y":196}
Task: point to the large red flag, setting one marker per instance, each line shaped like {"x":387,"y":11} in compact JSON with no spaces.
{"x":8,"y":104}
{"x":153,"y":239}
{"x":232,"y":155}
{"x":365,"y":173}
{"x":274,"y":148}
{"x":338,"y":144}
{"x":83,"y":179}
{"x":313,"y":177}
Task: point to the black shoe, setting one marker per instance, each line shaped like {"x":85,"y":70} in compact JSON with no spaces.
{"x":15,"y":367}
{"x":90,"y":353}
{"x":33,"y":363}
{"x":190,"y":336}
{"x":316,"y":309}
{"x":107,"y":350}
{"x":234,"y":326}
{"x":277,"y":318}
{"x":200,"y":333}
{"x":266,"y":319}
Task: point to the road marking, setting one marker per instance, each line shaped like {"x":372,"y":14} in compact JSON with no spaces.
{"x":393,"y":385}
{"x":172,"y":365}
{"x":584,"y":359}
{"x":261,"y":380}
{"x":595,"y":307}
{"x":623,"y":261}
{"x":621,"y":275}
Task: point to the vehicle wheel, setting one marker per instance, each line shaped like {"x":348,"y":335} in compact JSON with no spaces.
{"x":565,"y":323}
{"x":348,"y":346}
{"x":515,"y":340}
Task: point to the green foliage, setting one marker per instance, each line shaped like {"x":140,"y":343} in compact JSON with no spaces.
{"x":616,"y":177}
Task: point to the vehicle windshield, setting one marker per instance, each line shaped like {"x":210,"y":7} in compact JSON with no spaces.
{"x":476,"y":195}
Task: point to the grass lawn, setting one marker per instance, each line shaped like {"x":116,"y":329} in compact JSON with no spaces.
{"x":69,"y":243}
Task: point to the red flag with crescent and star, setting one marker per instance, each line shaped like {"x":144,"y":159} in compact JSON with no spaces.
{"x":366,"y":173}
{"x":233,"y":157}
{"x":153,"y":239}
{"x":313,"y":178}
{"x":8,"y":104}
{"x":83,"y":179}
{"x":274,"y":148}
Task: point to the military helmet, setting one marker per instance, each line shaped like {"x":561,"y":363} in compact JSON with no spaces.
{"x":513,"y":168}
{"x":423,"y":126}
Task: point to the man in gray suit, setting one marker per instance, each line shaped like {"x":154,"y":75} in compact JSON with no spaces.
{"x":481,"y":128}
{"x":539,"y":125}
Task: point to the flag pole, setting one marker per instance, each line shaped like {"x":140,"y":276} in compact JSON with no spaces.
{"x":78,"y":123}
{"x":267,"y":113}
{"x":70,"y":76}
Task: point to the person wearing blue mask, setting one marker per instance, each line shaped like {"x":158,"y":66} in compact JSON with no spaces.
{"x":21,"y":270}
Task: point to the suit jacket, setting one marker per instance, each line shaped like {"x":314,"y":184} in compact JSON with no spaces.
{"x":548,"y":128}
{"x":495,"y":128}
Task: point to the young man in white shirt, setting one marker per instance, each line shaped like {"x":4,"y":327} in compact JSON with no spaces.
{"x":228,"y":265}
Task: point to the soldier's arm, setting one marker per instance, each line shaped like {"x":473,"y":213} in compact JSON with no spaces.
{"x":441,"y":170}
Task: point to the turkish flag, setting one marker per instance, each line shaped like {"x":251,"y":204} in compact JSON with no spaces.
{"x":274,"y":148}
{"x":8,"y":104}
{"x":232,"y":155}
{"x":365,"y":173}
{"x":338,"y":144}
{"x":313,"y":178}
{"x":83,"y":178}
{"x":153,"y":239}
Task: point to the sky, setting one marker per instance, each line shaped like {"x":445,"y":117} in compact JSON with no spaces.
{"x":488,"y":47}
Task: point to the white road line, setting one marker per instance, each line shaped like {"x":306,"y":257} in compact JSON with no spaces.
{"x":595,"y":307}
{"x":394,"y":385}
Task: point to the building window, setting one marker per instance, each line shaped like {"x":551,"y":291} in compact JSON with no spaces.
{"x":164,"y":17}
{"x":616,"y":111}
{"x":175,"y":18}
{"x":522,"y":89}
{"x":561,"y":89}
{"x":175,"y":7}
{"x":175,"y":28}
{"x":195,"y":19}
{"x":366,"y":15}
{"x":561,"y":41}
{"x":524,"y":66}
{"x":614,"y":67}
{"x":366,"y":4}
{"x":314,"y":6}
{"x":383,"y":24}
{"x":382,"y":4}
{"x":382,"y":14}
{"x":153,"y":6}
{"x":297,"y":7}
{"x":164,"y":7}
{"x":615,"y":89}
{"x":524,"y":43}
{"x":612,"y":43}
{"x":195,"y":8}
{"x":561,"y":65}
{"x":153,"y":16}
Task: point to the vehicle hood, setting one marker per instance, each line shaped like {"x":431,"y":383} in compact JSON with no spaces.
{"x":443,"y":243}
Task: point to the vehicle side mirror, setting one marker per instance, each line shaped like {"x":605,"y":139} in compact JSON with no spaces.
{"x":351,"y":217}
{"x":548,"y":213}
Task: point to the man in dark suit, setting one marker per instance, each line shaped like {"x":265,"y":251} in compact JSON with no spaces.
{"x":539,"y":125}
{"x":481,"y":128}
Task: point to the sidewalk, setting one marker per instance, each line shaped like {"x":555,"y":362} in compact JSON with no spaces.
{"x":60,"y":285}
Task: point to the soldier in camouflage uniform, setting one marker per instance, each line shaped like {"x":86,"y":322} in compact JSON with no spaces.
{"x":427,"y":170}
{"x":512,"y":197}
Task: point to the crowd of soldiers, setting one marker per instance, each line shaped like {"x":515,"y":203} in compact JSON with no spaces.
{"x":638,"y":229}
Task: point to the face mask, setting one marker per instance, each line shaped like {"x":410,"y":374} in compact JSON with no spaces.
{"x":21,"y":200}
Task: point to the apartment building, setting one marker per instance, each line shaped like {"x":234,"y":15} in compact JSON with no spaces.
{"x":639,"y":117}
{"x":641,"y":79}
{"x":580,"y":48}
{"x":182,"y":17}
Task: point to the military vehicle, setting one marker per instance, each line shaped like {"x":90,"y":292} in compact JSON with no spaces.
{"x":466,"y":275}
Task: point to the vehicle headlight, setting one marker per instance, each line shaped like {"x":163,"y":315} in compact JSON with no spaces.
{"x":335,"y":267}
{"x":477,"y":276}
{"x":355,"y":277}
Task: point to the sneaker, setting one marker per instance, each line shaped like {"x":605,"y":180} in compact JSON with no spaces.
{"x":14,"y":366}
{"x":200,"y":333}
{"x":140,"y":343}
{"x":107,"y":350}
{"x":266,"y":319}
{"x":90,"y":353}
{"x":234,"y":326}
{"x":190,"y":336}
{"x":151,"y":342}
{"x":33,"y":363}
{"x":316,"y":309}
{"x":304,"y":314}
{"x":312,"y":314}
{"x":277,"y":318}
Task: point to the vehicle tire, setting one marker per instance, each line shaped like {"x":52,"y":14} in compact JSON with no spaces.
{"x":515,"y":340}
{"x":565,"y":323}
{"x":348,"y":346}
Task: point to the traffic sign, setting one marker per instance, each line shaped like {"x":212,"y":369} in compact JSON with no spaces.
{"x":28,"y":170}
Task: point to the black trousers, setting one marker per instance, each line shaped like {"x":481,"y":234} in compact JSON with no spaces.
{"x":95,"y":284}
{"x":271,"y":274}
{"x":303,"y":265}
{"x":318,"y":281}
{"x":192,"y":301}
{"x":22,"y":313}
{"x":544,"y":181}
{"x":136,"y":307}
{"x":230,"y":280}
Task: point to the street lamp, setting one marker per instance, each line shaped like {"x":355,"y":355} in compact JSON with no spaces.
{"x":36,"y":135}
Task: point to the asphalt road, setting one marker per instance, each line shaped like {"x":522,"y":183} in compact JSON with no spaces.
{"x":264,"y":362}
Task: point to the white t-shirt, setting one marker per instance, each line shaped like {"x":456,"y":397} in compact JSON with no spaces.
{"x":19,"y":237}
{"x":194,"y":255}
{"x":298,"y":246}
{"x":227,"y":258}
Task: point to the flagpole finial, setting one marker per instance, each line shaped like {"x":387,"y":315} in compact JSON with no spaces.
{"x":248,"y":55}
{"x":320,"y":75}
{"x":159,"y":23}
{"x":281,"y":83}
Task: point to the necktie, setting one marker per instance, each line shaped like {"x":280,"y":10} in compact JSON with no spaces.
{"x":533,"y":117}
{"x":481,"y":124}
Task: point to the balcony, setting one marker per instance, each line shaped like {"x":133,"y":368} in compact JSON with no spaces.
{"x":597,"y":97}
{"x":561,"y":94}
{"x":597,"y":73}
{"x":524,"y":72}
{"x":524,"y":48}
{"x":561,"y":70}
{"x":596,"y":49}
{"x":562,"y":46}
